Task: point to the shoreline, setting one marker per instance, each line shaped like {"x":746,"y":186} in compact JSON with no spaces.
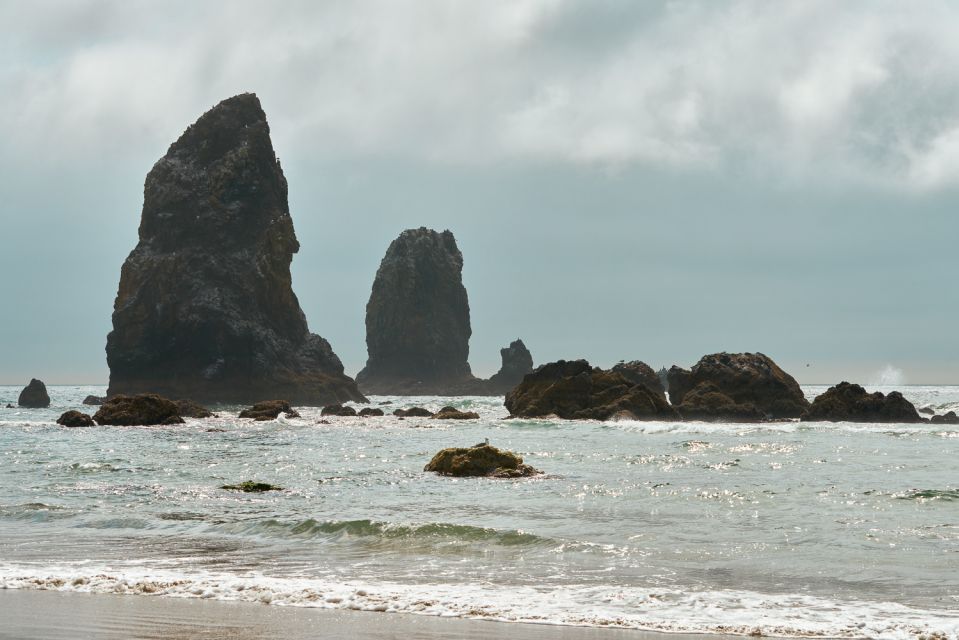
{"x":55,"y":615}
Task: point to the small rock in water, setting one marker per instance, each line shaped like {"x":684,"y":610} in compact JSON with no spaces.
{"x":34,"y":395}
{"x":481,"y":460}
{"x":413,"y":412}
{"x":370,"y":412}
{"x":338,"y":410}
{"x":946,"y":418}
{"x":252,"y":487}
{"x":269,"y":410}
{"x":75,"y":419}
{"x":94,"y":400}
{"x":452,"y":413}
{"x":142,"y":409}
{"x":191,"y":409}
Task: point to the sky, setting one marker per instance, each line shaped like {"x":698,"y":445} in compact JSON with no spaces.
{"x":626,"y":180}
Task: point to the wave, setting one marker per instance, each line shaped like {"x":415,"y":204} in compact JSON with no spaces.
{"x":625,"y":607}
{"x":946,"y":495}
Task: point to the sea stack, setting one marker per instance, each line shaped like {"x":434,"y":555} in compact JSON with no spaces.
{"x":205,"y":307}
{"x":34,"y":395}
{"x":517,"y":362}
{"x":418,"y":318}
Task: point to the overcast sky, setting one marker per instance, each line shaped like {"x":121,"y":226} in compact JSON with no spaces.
{"x":625,"y":179}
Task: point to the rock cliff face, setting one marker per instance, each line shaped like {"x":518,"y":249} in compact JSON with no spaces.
{"x":205,"y":307}
{"x":418,"y":318}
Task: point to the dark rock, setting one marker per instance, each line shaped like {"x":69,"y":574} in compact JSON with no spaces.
{"x":75,"y":419}
{"x":385,"y":402}
{"x":252,"y":487}
{"x":34,"y":395}
{"x":94,"y":400}
{"x":452,"y":413}
{"x":417,"y":318}
{"x":370,"y":412}
{"x":141,"y":409}
{"x":574,"y":390}
{"x":337,"y":410}
{"x":517,"y":362}
{"x":639,"y":372}
{"x":482,"y":460}
{"x":746,"y":379}
{"x":929,"y":411}
{"x":847,"y":402}
{"x":191,"y":409}
{"x":10,"y":406}
{"x":205,"y":307}
{"x":269,"y":410}
{"x":706,"y":402}
{"x":413,"y":412}
{"x":946,"y":418}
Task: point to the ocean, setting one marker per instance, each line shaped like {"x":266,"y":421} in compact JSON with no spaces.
{"x":780,"y":529}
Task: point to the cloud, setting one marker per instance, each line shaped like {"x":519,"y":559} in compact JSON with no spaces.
{"x":798,"y":90}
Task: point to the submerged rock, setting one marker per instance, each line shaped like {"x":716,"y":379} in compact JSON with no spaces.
{"x":74,"y":418}
{"x":418,"y":318}
{"x":452,"y":413}
{"x":191,"y":409}
{"x":269,"y":410}
{"x":517,"y":362}
{"x":34,"y":395}
{"x":574,"y":390}
{"x":205,"y":307}
{"x":946,"y":418}
{"x":481,"y":460}
{"x":252,"y":487}
{"x":413,"y":412}
{"x":142,"y":409}
{"x":370,"y":412}
{"x":848,"y":402}
{"x":94,"y":400}
{"x":337,"y":410}
{"x":746,"y":379}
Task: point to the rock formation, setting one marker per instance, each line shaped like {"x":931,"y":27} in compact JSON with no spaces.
{"x":205,"y":307}
{"x":413,"y":412}
{"x":142,"y":409}
{"x":338,"y":410}
{"x":639,"y":372}
{"x":745,"y":379}
{"x":269,"y":410}
{"x":191,"y":409}
{"x":707,"y":402}
{"x":34,"y":395}
{"x":370,"y":412}
{"x":480,"y":460}
{"x":94,"y":400}
{"x":848,"y":402}
{"x":517,"y":362}
{"x":75,"y":419}
{"x":575,"y":390}
{"x":452,"y":413}
{"x":946,"y":418}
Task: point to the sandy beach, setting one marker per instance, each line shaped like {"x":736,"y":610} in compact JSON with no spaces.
{"x":48,"y":615}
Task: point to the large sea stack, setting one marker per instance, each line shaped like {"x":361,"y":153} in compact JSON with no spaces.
{"x":418,"y":318}
{"x":205,"y":308}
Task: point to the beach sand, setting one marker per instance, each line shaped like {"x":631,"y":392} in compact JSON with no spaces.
{"x":50,"y":615}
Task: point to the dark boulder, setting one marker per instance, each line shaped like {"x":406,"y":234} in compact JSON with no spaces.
{"x":205,"y":307}
{"x":141,"y":409}
{"x":452,"y":413}
{"x":848,"y":402}
{"x":481,"y":460}
{"x":34,"y":395}
{"x":75,"y":419}
{"x":639,"y":372}
{"x":707,"y":402}
{"x":413,"y":412}
{"x":337,"y":410}
{"x":191,"y":409}
{"x":370,"y":412}
{"x":250,"y":486}
{"x":746,"y":379}
{"x":269,"y":410}
{"x":574,"y":390}
{"x":946,"y":418}
{"x":517,"y":362}
{"x":94,"y":400}
{"x":418,"y":318}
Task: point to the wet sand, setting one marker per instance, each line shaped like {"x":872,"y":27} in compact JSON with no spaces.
{"x":50,"y":615}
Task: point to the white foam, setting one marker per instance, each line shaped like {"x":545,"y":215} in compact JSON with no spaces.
{"x":726,"y":612}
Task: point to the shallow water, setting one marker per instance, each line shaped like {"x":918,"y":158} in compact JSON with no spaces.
{"x":794,"y":529}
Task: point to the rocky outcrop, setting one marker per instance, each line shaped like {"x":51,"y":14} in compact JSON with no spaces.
{"x":34,"y":395}
{"x":417,"y":318}
{"x":639,"y":372}
{"x":480,"y":460}
{"x":191,"y":409}
{"x":452,"y":413}
{"x":946,"y":418}
{"x":848,"y":402}
{"x":75,"y":419}
{"x":706,"y":402}
{"x":142,"y":409}
{"x":517,"y":362}
{"x":370,"y":412}
{"x":338,"y":410}
{"x":413,"y":412}
{"x":94,"y":400}
{"x":205,"y":307}
{"x":269,"y":410}
{"x":745,"y":379}
{"x":575,"y":390}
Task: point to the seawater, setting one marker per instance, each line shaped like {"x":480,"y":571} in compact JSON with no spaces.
{"x":789,"y":529}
